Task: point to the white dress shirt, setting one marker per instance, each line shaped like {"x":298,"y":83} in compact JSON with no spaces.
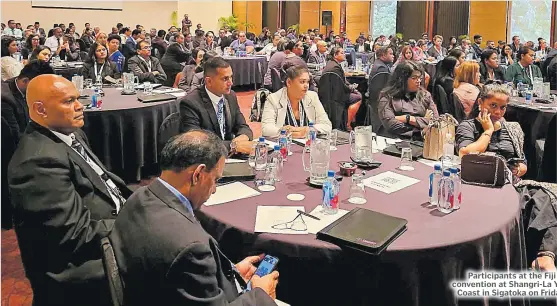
{"x":215,"y":99}
{"x":53,"y":43}
{"x":13,"y":32}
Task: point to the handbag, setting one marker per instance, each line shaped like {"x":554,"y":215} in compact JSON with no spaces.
{"x":485,"y":169}
{"x":439,"y":131}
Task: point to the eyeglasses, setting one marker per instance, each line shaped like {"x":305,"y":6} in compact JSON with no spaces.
{"x":297,"y":224}
{"x":34,"y":39}
{"x":416,"y":78}
{"x":146,"y":48}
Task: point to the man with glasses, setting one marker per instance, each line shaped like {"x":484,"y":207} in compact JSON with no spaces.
{"x":11,"y":30}
{"x":224,"y":40}
{"x":242,"y":43}
{"x":522,"y":69}
{"x":146,"y":67}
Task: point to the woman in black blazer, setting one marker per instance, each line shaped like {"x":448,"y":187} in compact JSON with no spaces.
{"x":489,"y":67}
{"x":98,"y":64}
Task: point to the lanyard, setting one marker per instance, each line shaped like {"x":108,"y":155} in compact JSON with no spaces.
{"x":302,"y":114}
{"x":529,"y":75}
{"x":100,"y":71}
{"x":148,"y":63}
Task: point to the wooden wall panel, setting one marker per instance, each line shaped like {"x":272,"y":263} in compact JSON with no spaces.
{"x":333,"y":6}
{"x":270,"y":15}
{"x":451,"y":19}
{"x":411,"y":19}
{"x":357,"y":18}
{"x":255,"y":16}
{"x":309,"y":15}
{"x":239,"y":10}
{"x":489,"y":19}
{"x":291,"y":13}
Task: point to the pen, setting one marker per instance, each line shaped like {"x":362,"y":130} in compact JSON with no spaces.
{"x":308,"y":215}
{"x":537,"y":265}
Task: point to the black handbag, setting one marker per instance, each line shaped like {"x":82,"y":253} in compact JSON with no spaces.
{"x":488,"y":170}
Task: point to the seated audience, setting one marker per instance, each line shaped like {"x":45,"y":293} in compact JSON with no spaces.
{"x":224,"y":40}
{"x":98,"y":65}
{"x":489,"y":67}
{"x":420,"y":51}
{"x":41,"y":53}
{"x":459,"y":55}
{"x":70,"y":51}
{"x":467,"y":78}
{"x":445,"y":75}
{"x":64,"y":199}
{"x":506,"y":57}
{"x":87,"y":38}
{"x":405,"y":55}
{"x":523,"y":69}
{"x":293,"y":107}
{"x":146,"y":67}
{"x":185,"y":269}
{"x":130,"y":47}
{"x":552,"y":73}
{"x":452,"y":44}
{"x":114,"y":54}
{"x":317,"y":60}
{"x":437,"y":50}
{"x":404,"y":106}
{"x":32,"y":42}
{"x":196,"y":109}
{"x":173,"y":57}
{"x":55,"y":42}
{"x":242,"y":43}
{"x":190,"y":71}
{"x":188,"y":43}
{"x":12,"y":30}
{"x":275,"y":62}
{"x":270,"y":47}
{"x":199,"y":39}
{"x":159,"y":42}
{"x":10,"y":66}
{"x":210,"y":43}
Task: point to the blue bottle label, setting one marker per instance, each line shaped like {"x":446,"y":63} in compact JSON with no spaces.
{"x":431,"y":185}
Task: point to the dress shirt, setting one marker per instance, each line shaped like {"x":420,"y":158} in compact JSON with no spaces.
{"x":53,"y":43}
{"x":215,"y":99}
{"x":179,"y":195}
{"x":67,"y":139}
{"x":13,"y":32}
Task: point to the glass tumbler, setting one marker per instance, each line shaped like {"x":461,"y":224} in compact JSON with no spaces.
{"x":406,"y":160}
{"x":333,"y":136}
{"x":357,"y":190}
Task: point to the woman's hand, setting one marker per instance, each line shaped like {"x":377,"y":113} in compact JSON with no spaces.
{"x":519,"y":169}
{"x":300,"y":132}
{"x":485,"y":119}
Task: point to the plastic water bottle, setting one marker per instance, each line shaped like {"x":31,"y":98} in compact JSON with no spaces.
{"x":445,"y":193}
{"x":261,"y":154}
{"x":520,"y":87}
{"x":331,"y":189}
{"x":312,"y":134}
{"x":457,"y":191}
{"x":283,"y":145}
{"x":99,"y":99}
{"x":448,"y":151}
{"x":95,"y":98}
{"x":528,"y":96}
{"x":434,"y":184}
{"x":275,"y":164}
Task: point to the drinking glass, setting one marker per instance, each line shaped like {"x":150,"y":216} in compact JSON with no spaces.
{"x":546,"y":92}
{"x":147,"y":88}
{"x":77,"y":81}
{"x":333,"y":136}
{"x":357,"y":190}
{"x":88,"y":83}
{"x":406,"y":160}
{"x":251,"y":157}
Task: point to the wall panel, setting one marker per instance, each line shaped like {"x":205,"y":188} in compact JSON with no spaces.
{"x":255,"y":16}
{"x":357,"y":18}
{"x":333,"y":6}
{"x":489,"y":19}
{"x":410,"y":19}
{"x":309,"y":15}
{"x":451,"y":19}
{"x":270,"y":15}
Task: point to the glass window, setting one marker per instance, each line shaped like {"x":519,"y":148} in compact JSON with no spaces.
{"x":530,"y":20}
{"x":384,"y":18}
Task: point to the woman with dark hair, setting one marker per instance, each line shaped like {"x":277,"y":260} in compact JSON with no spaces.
{"x":70,"y":50}
{"x":404,"y":106}
{"x":10,"y":66}
{"x":31,"y":43}
{"x":98,"y":64}
{"x":405,"y":55}
{"x":507,"y":56}
{"x":452,"y":43}
{"x":210,"y":43}
{"x":292,"y":107}
{"x":41,"y":53}
{"x":459,"y":55}
{"x":189,"y":71}
{"x":87,"y":38}
{"x":489,"y":67}
{"x":445,"y":75}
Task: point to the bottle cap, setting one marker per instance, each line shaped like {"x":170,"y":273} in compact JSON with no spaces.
{"x":446,"y":173}
{"x":453,"y":170}
{"x":277,"y":148}
{"x":437,"y":167}
{"x":261,"y":139}
{"x":331,"y":173}
{"x":310,"y":124}
{"x":283,"y":132}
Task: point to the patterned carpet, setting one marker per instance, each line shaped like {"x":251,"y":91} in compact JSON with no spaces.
{"x":16,"y":290}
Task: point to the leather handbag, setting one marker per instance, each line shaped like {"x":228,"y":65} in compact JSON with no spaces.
{"x":488,"y":170}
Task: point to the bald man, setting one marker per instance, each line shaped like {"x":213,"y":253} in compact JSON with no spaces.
{"x":318,"y":59}
{"x":64,"y":199}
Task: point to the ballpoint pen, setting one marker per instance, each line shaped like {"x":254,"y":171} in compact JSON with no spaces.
{"x":308,"y":215}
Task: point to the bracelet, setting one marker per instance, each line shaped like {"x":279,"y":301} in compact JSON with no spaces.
{"x":547,"y":253}
{"x":487,"y":134}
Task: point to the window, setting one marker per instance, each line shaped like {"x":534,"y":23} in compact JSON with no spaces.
{"x":384,"y":18}
{"x":530,"y":20}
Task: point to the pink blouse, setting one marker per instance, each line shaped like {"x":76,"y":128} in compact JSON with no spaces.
{"x":467,"y":94}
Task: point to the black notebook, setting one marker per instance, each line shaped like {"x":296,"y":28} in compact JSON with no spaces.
{"x":364,"y":230}
{"x":396,"y":149}
{"x":237,"y":172}
{"x":155,"y":97}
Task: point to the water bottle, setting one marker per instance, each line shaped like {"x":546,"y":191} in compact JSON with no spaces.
{"x":434,"y":184}
{"x":94,"y":98}
{"x":261,"y":154}
{"x":445,"y":193}
{"x":457,"y":184}
{"x":331,"y":189}
{"x":528,"y":96}
{"x":275,"y":164}
{"x":283,"y":145}
{"x":99,"y":99}
{"x":312,"y":134}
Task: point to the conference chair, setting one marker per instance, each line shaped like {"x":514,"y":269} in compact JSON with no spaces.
{"x":9,"y":144}
{"x":112,"y":272}
{"x":276,"y":80}
{"x":169,"y":128}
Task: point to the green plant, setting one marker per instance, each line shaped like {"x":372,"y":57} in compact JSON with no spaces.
{"x":248,"y":25}
{"x":399,"y":35}
{"x":462,"y":37}
{"x":231,"y":22}
{"x":295,"y":27}
{"x":174,"y":18}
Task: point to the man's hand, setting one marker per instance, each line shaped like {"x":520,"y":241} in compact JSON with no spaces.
{"x":243,"y":147}
{"x":546,"y":263}
{"x":246,"y":267}
{"x":241,"y":138}
{"x":268,"y":283}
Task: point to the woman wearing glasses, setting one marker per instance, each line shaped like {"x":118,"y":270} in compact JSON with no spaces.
{"x":31,"y":43}
{"x":98,"y":64}
{"x":210,"y":43}
{"x":404,"y":106}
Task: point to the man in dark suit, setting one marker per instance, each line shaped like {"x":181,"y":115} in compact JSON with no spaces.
{"x":146,"y":67}
{"x":214,"y":107}
{"x":131,"y":44}
{"x":378,"y":78}
{"x":15,"y":116}
{"x":64,"y":199}
{"x":175,"y":55}
{"x":39,"y":30}
{"x":162,"y":268}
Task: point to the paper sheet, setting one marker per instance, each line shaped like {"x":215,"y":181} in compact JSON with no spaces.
{"x":231,"y":192}
{"x":280,"y":220}
{"x":389,"y":182}
{"x":234,"y":161}
{"x":431,"y":163}
{"x":178,"y":94}
{"x":315,"y":226}
{"x":271,"y":144}
{"x":281,"y":303}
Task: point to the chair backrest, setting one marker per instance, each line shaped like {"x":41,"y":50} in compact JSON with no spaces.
{"x":177,"y":79}
{"x":115,"y":283}
{"x":332,"y":97}
{"x":170,"y":127}
{"x":550,"y":153}
{"x":276,"y":81}
{"x":458,"y":108}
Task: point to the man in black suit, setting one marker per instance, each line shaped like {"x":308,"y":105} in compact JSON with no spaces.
{"x":214,"y":107}
{"x":64,"y":199}
{"x":378,"y":78}
{"x":146,"y":67}
{"x":172,"y":60}
{"x":15,"y":116}
{"x":161,"y":267}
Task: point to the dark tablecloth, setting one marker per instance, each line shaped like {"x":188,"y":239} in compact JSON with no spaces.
{"x":534,"y":122}
{"x":68,"y":71}
{"x":486,"y":233}
{"x":123,"y":134}
{"x":248,"y":70}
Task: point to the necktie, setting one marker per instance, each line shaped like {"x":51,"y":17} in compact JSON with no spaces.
{"x":76,"y":145}
{"x":220,"y":116}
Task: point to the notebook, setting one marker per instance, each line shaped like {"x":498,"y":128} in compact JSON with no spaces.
{"x":364,"y":230}
{"x":237,"y":172}
{"x":155,"y":98}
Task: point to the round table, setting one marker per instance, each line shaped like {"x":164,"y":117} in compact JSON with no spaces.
{"x":248,"y":70}
{"x":123,"y":134}
{"x":486,"y":233}
{"x":67,"y":71}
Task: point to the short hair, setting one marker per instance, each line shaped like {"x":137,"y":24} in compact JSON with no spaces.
{"x":143,"y":42}
{"x":35,"y":68}
{"x":522,"y":51}
{"x":334,"y":51}
{"x":294,"y":71}
{"x":211,"y":66}
{"x":36,"y":22}
{"x":466,"y":72}
{"x":290,"y":45}
{"x":490,"y":41}
{"x":516,"y":36}
{"x":161,"y":33}
{"x":137,"y":26}
{"x":382,"y":51}
{"x":456,"y":53}
{"x":501,"y":42}
{"x":207,"y":33}
{"x":125,"y":29}
{"x":178,"y":34}
{"x":487,"y":53}
{"x":114,"y":36}
{"x":437,"y":37}
{"x":192,"y":148}
{"x":420,"y":42}
{"x":489,"y":90}
{"x":477,"y":36}
{"x":136,"y":32}
{"x":119,"y":24}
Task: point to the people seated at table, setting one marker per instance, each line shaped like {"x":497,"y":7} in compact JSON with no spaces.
{"x":445,"y":75}
{"x":11,"y":67}
{"x":188,"y":269}
{"x":12,"y":30}
{"x":55,"y":42}
{"x":406,"y":54}
{"x":41,"y":53}
{"x":159,"y":43}
{"x":32,"y":42}
{"x":293,"y":107}
{"x":190,"y":72}
{"x":507,"y":57}
{"x":146,"y":67}
{"x":476,"y":46}
{"x":489,"y":67}
{"x":523,"y":69}
{"x":175,"y":55}
{"x":404,"y":106}
{"x":223,"y":40}
{"x":210,"y":43}
{"x":552,"y":73}
{"x":347,"y":94}
{"x":214,"y":107}
{"x":459,"y":55}
{"x":466,"y":81}
{"x":275,"y":62}
{"x":99,"y":65}
{"x":420,"y":51}
{"x":242,"y":43}
{"x":64,"y":199}
{"x":317,"y":60}
{"x":114,"y":54}
{"x":437,"y":50}
{"x":70,"y":51}
{"x":270,"y":47}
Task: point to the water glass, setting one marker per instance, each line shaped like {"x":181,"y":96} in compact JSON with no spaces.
{"x":251,"y":157}
{"x":88,"y":83}
{"x":77,"y":81}
{"x":546,"y":91}
{"x":147,"y":88}
{"x":406,"y":160}
{"x":357,"y":190}
{"x":333,"y":136}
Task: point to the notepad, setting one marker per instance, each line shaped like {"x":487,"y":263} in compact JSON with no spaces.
{"x":314,"y":226}
{"x":231,"y":192}
{"x":280,"y":220}
{"x":389,"y":182}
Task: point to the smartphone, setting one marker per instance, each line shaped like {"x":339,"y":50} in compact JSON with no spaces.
{"x":267,"y":265}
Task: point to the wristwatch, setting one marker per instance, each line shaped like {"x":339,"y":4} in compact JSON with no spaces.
{"x":407,"y":119}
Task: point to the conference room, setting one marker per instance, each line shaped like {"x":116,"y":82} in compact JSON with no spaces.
{"x":259,"y":152}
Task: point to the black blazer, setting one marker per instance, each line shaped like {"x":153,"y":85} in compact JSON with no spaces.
{"x":14,"y":108}
{"x":160,"y":267}
{"x":62,"y":209}
{"x":197,"y":112}
{"x":497,"y":73}
{"x":171,"y":62}
{"x":109,"y":69}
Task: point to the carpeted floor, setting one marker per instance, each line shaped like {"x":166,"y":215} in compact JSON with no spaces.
{"x":16,"y":290}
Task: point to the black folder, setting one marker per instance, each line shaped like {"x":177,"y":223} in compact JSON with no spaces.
{"x":396,"y":149}
{"x":364,"y":230}
{"x":155,"y":97}
{"x":237,"y":172}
